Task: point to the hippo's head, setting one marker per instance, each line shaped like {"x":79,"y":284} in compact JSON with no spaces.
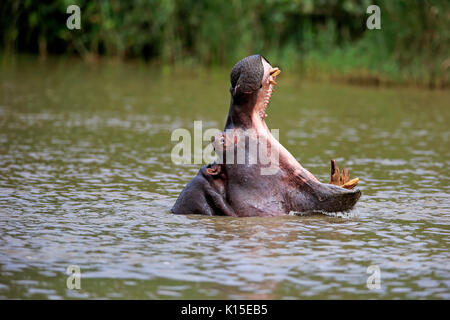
{"x":252,"y":81}
{"x":219,"y":145}
{"x":229,"y":142}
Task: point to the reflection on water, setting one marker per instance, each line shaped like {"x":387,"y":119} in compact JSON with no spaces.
{"x":86,"y":179}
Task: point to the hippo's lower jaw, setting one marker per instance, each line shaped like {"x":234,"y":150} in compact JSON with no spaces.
{"x":331,"y":198}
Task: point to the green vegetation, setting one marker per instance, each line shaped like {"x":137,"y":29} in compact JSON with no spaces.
{"x":317,"y":38}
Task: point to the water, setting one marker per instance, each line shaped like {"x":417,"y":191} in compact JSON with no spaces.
{"x":86,"y":179}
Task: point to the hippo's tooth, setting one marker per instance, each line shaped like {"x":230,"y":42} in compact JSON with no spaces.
{"x":274,"y":72}
{"x":272,"y":82}
{"x":351,"y":184}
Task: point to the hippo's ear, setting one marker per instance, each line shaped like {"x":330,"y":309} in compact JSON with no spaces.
{"x":214,"y":169}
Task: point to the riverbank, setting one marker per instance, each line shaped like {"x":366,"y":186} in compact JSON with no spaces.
{"x":312,"y":69}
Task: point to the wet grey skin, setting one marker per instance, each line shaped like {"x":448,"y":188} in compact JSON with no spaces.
{"x":240,"y":189}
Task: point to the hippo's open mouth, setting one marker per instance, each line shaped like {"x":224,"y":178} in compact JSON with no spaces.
{"x":338,"y":194}
{"x":268,"y":84}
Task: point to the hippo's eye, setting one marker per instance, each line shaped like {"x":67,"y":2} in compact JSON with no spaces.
{"x":221,"y":140}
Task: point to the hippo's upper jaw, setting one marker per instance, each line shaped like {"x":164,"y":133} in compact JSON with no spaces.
{"x":252,"y":81}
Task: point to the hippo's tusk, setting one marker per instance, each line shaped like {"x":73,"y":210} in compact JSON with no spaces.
{"x":351,"y":184}
{"x":274,"y":72}
{"x":342,"y":180}
{"x":272,"y":82}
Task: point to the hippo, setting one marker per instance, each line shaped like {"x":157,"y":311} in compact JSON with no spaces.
{"x":205,"y":193}
{"x":250,"y":191}
{"x":233,"y":188}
